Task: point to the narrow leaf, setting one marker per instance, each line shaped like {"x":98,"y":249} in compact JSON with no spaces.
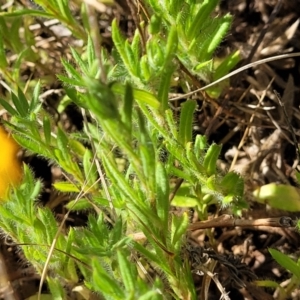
{"x":8,"y":107}
{"x":126,"y":113}
{"x":126,"y":272}
{"x":162,"y":194}
{"x":210,"y":160}
{"x":139,"y":95}
{"x":186,"y":121}
{"x":47,"y":130}
{"x":286,"y":262}
{"x":206,"y":8}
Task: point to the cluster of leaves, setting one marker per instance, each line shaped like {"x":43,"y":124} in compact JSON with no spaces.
{"x":179,"y":33}
{"x":136,"y":142}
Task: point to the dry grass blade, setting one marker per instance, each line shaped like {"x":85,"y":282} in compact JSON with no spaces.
{"x":62,"y":224}
{"x":251,"y":65}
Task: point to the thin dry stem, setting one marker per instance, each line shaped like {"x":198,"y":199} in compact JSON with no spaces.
{"x":253,"y":64}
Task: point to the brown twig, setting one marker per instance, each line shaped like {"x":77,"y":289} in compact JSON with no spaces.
{"x":230,"y":221}
{"x":179,"y":182}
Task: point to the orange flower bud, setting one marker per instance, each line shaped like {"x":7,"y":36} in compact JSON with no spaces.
{"x":10,"y":164}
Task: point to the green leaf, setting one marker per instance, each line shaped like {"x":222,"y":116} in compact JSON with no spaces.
{"x":62,"y":142}
{"x":47,"y":130}
{"x":286,"y":262}
{"x":117,"y":234}
{"x":211,"y":183}
{"x":155,"y":53}
{"x":180,"y":174}
{"x":144,"y":68}
{"x":151,"y":256}
{"x":70,"y":270}
{"x":66,"y":187}
{"x":219,"y":28}
{"x":171,"y":123}
{"x":46,"y":220}
{"x":156,"y":6}
{"x":8,"y":107}
{"x":3,"y":61}
{"x":101,"y":100}
{"x":16,"y":42}
{"x":206,"y":8}
{"x":194,"y":163}
{"x":64,"y":9}
{"x":186,"y":121}
{"x":274,"y":285}
{"x":119,"y":42}
{"x":184,"y":201}
{"x":56,"y":288}
{"x":89,"y":167}
{"x":226,"y":65}
{"x":296,"y":173}
{"x":24,"y":12}
{"x":162,"y":193}
{"x":228,"y":199}
{"x":128,"y":278}
{"x":171,"y":47}
{"x":232,"y":183}
{"x":182,"y":18}
{"x":81,"y":64}
{"x":76,"y":147}
{"x":20,"y":103}
{"x":145,"y":216}
{"x":103,"y":201}
{"x":126,"y":113}
{"x":132,"y":63}
{"x":118,"y":178}
{"x":35,"y":104}
{"x":90,"y":51}
{"x":69,"y":81}
{"x":279,"y":196}
{"x":220,"y":33}
{"x":105,"y":284}
{"x":139,"y":95}
{"x":78,"y":204}
{"x":72,"y":72}
{"x":150,"y":295}
{"x":146,"y":150}
{"x":136,"y":46}
{"x":200,"y":146}
{"x":33,"y":145}
{"x":179,"y":227}
{"x":147,"y":156}
{"x":174,"y":6}
{"x":210,"y":160}
{"x":202,"y":65}
{"x":164,"y":87}
{"x":155,"y":24}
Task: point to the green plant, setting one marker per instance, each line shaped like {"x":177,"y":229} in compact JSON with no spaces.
{"x":290,"y":265}
{"x":180,"y":33}
{"x":273,"y":195}
{"x":121,"y":166}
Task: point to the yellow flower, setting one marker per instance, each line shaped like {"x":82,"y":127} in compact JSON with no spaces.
{"x":10,"y":164}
